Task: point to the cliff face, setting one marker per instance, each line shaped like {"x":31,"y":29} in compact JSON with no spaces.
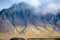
{"x":22,"y":14}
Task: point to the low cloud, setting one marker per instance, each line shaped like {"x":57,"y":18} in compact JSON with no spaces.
{"x":41,"y":6}
{"x":51,"y":8}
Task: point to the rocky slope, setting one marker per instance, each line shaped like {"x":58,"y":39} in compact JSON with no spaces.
{"x":22,"y":14}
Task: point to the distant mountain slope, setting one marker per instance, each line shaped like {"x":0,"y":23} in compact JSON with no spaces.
{"x":22,"y":14}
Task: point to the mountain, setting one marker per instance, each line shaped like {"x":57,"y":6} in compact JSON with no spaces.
{"x":22,"y":14}
{"x":17,"y":15}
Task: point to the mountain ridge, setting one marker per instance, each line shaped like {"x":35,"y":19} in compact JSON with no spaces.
{"x":23,"y":14}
